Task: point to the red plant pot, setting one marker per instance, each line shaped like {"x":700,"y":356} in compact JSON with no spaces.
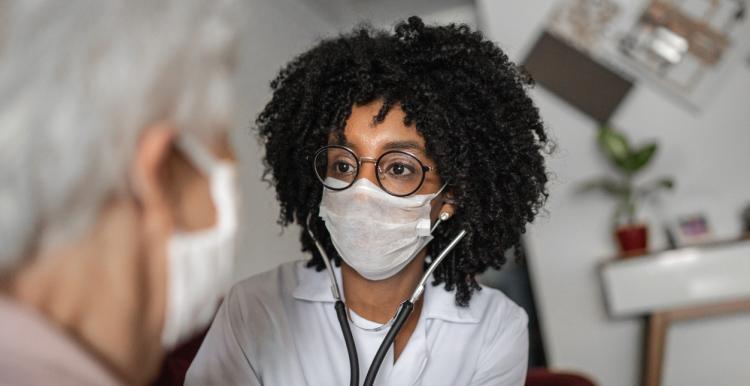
{"x":633,"y":239}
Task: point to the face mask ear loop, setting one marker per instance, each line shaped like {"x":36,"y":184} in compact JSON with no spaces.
{"x":439,"y":220}
{"x":441,"y":189}
{"x":201,"y":158}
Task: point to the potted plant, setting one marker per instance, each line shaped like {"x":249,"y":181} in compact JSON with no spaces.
{"x":628,"y":160}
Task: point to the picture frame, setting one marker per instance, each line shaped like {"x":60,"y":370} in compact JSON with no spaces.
{"x":691,"y":229}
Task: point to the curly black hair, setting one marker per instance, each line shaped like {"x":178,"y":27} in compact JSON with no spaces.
{"x":466,"y":99}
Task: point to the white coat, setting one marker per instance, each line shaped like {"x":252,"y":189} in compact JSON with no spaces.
{"x":280,"y":328}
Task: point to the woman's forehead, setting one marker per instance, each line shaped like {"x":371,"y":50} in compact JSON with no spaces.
{"x":363,"y":135}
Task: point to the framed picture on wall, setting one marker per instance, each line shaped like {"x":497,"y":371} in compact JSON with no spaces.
{"x":683,"y":48}
{"x":691,"y":230}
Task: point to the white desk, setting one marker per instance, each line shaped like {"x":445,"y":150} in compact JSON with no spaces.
{"x":676,"y":285}
{"x":678,"y":278}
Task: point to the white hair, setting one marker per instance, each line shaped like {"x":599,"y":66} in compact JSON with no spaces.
{"x":79,"y":79}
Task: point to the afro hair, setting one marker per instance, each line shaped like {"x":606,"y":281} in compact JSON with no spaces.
{"x":466,"y":99}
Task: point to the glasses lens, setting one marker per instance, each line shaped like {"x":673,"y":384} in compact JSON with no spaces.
{"x":336,"y":167}
{"x":400,"y":173}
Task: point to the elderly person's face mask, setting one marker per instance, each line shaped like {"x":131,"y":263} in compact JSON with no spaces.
{"x":199,"y":263}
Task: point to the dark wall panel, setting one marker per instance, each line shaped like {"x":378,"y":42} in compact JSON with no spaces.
{"x":576,"y":77}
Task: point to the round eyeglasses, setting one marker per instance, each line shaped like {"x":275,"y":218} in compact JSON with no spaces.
{"x":398,"y":172}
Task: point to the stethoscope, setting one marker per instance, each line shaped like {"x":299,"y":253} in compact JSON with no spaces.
{"x":398,"y":320}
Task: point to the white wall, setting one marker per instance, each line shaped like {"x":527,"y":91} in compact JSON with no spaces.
{"x":386,"y":12}
{"x":275,"y":31}
{"x":706,"y":152}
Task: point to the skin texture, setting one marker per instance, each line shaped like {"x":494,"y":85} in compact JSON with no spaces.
{"x":107,"y":289}
{"x":378,"y":300}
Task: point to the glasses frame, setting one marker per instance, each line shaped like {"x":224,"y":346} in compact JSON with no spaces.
{"x":376,"y":161}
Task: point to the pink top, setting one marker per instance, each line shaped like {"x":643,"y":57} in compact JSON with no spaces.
{"x":35,"y":352}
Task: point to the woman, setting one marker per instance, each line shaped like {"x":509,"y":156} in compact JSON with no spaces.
{"x":370,"y":138}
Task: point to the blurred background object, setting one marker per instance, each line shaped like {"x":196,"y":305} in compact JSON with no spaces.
{"x":746,"y":221}
{"x":543,"y":377}
{"x":681,"y":40}
{"x":576,"y":77}
{"x":514,"y":281}
{"x":675,"y":45}
{"x":703,"y":134}
{"x":628,"y":161}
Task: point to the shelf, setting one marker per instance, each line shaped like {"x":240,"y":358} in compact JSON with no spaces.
{"x":677,"y":278}
{"x":706,"y":244}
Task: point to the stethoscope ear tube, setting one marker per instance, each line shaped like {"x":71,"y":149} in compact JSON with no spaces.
{"x":403,"y":314}
{"x":349,"y":340}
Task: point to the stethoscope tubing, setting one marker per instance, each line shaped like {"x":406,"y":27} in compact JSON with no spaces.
{"x":349,"y":340}
{"x":402,"y":315}
{"x":404,"y":311}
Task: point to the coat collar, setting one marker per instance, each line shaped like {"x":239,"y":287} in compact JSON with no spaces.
{"x":315,"y":286}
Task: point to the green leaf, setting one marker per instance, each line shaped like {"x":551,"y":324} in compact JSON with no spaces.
{"x":641,"y":157}
{"x":604,"y":184}
{"x":663,"y":183}
{"x":614,"y":145}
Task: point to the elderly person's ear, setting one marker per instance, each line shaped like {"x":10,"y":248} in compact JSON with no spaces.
{"x":169,"y":188}
{"x":149,"y":171}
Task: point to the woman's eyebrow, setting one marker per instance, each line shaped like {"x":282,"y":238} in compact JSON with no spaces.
{"x":393,"y":145}
{"x":348,"y":144}
{"x":336,"y":140}
{"x":404,"y":145}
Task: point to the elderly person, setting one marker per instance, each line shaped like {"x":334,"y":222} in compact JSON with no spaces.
{"x":117,"y":201}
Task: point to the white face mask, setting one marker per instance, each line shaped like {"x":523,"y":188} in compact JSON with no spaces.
{"x":199,"y":264}
{"x":376,"y":233}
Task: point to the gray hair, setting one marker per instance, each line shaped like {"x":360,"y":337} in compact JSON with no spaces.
{"x":78,"y":81}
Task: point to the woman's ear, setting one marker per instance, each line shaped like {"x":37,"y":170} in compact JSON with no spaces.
{"x":448,"y":208}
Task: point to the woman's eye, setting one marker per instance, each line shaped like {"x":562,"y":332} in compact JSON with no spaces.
{"x":342,"y":167}
{"x":399,"y":169}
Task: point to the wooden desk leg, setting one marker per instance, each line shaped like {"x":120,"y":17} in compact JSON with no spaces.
{"x":655,"y":343}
